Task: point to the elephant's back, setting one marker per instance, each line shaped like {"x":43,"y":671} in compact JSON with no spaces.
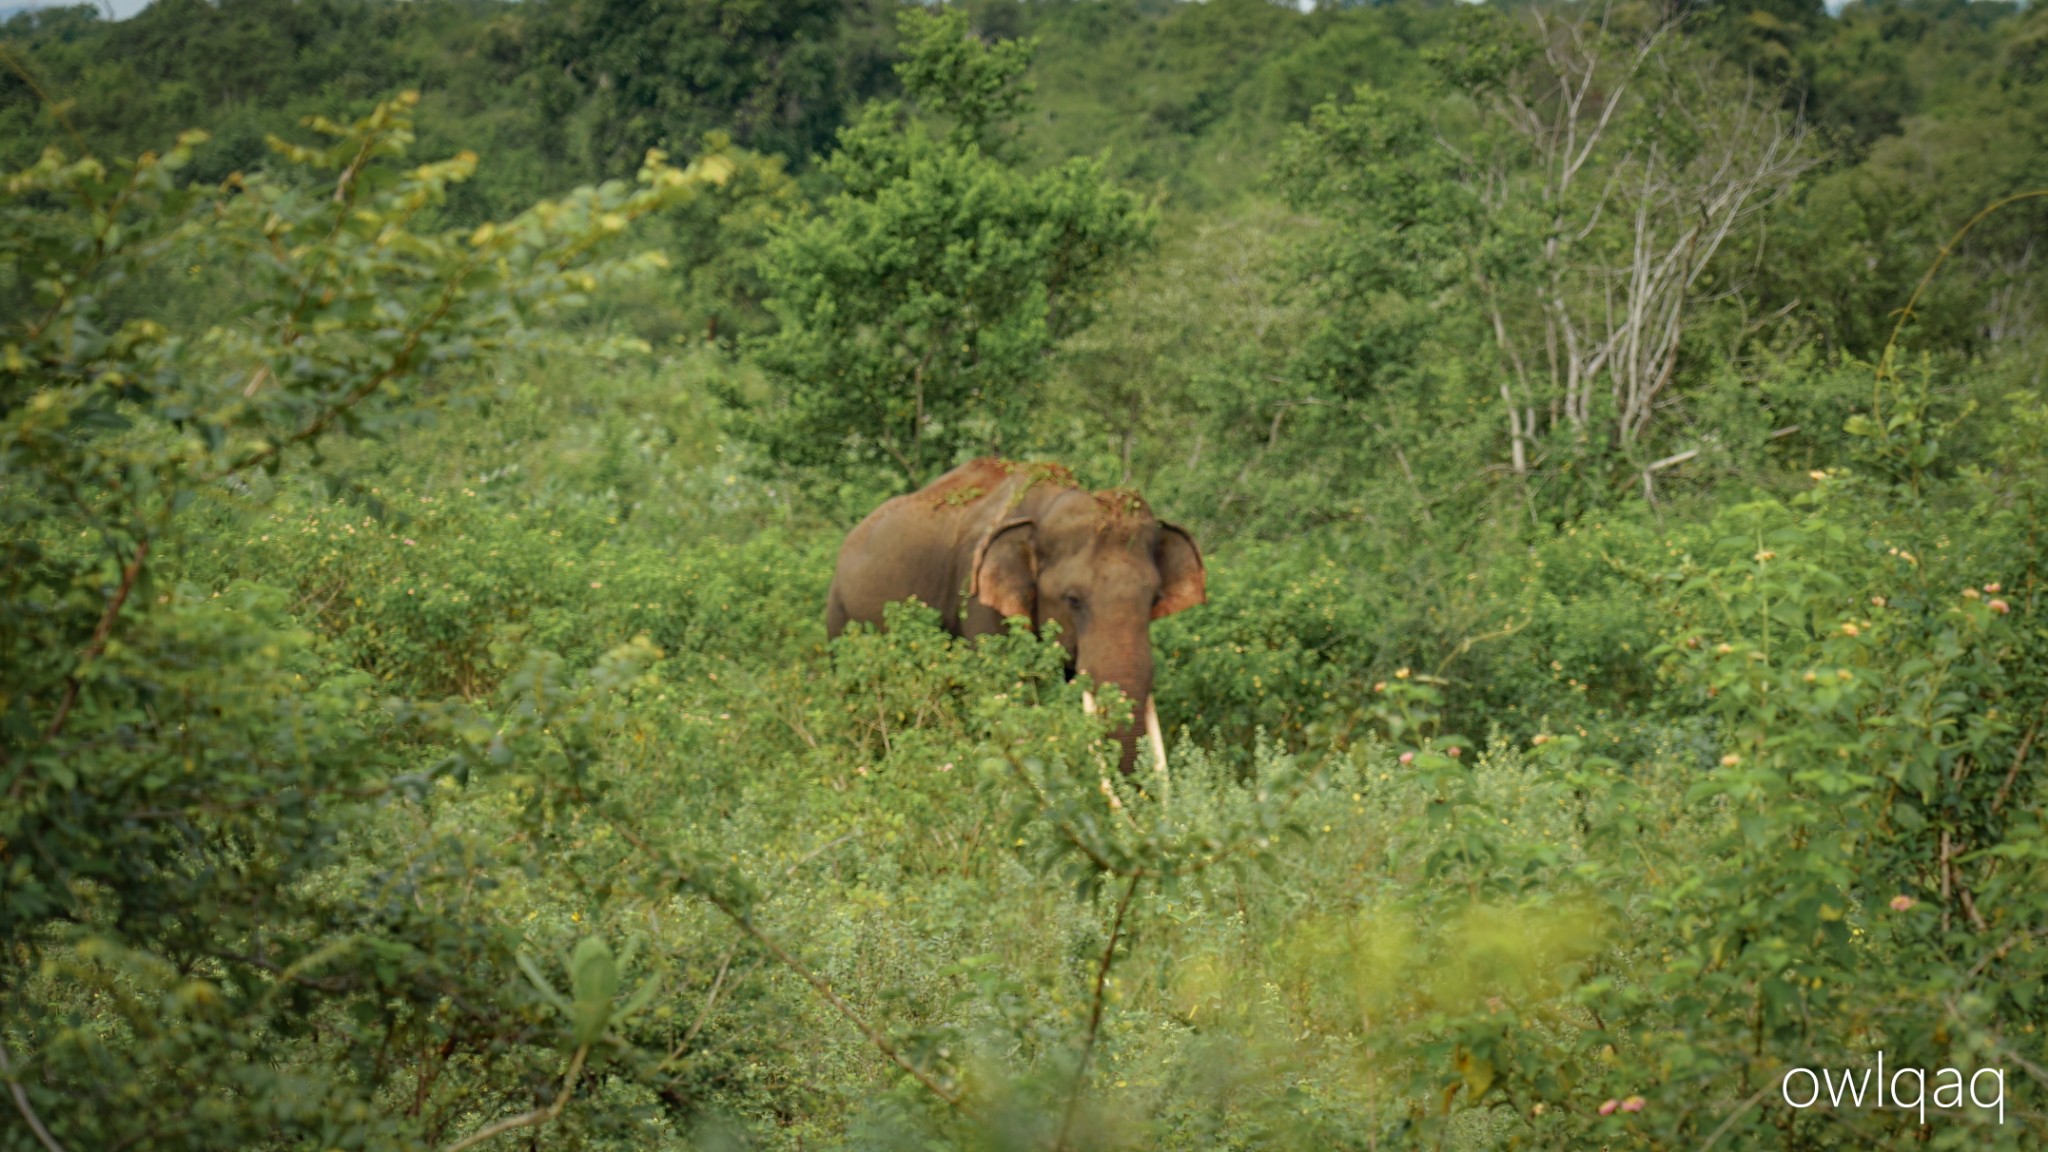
{"x":920,"y":544}
{"x":908,"y":547}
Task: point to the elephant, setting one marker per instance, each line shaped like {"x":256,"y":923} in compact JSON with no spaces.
{"x":995,"y":538}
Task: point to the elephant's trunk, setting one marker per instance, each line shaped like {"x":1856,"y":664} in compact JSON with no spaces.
{"x":1129,"y":667}
{"x":1153,"y":734}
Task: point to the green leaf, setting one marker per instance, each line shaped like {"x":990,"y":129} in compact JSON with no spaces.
{"x":540,"y":982}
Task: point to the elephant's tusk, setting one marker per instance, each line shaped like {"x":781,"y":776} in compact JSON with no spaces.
{"x":1158,"y":738}
{"x":1088,"y":702}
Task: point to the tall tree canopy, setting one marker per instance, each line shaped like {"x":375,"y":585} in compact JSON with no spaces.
{"x":917,"y":308}
{"x":778,"y":75}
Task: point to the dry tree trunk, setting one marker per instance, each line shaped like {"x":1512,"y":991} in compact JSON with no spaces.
{"x":1643,"y":159}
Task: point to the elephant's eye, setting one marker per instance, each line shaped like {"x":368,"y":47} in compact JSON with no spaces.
{"x":1073,"y":602}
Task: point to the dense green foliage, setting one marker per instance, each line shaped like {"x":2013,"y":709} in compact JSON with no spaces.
{"x":917,"y":308}
{"x":1623,"y":680}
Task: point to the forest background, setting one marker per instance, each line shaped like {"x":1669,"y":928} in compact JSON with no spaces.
{"x":1617,"y":434}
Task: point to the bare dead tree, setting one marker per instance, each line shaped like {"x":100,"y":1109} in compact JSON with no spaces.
{"x":2015,"y":285}
{"x":1685,"y":209}
{"x":1639,"y":158}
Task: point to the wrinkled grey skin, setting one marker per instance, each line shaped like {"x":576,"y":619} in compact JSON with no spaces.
{"x":994,"y":539}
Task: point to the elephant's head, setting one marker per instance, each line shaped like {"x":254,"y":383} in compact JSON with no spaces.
{"x":1104,"y":567}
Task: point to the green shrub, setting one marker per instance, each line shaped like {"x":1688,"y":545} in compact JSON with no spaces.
{"x":187,"y":768}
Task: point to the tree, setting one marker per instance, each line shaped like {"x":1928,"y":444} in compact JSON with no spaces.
{"x":918,"y":306}
{"x":1581,"y":215}
{"x":778,"y":76}
{"x":181,"y":770}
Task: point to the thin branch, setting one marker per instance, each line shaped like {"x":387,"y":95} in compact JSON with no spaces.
{"x":1884,"y":360}
{"x":22,"y":1105}
{"x":704,"y":1013}
{"x":529,"y":1119}
{"x":1466,"y":644}
{"x":2026,"y":745}
{"x":1094,"y":1016}
{"x":1672,"y":461}
{"x":823,"y":987}
{"x":820,"y":850}
{"x":401,"y":362}
{"x":1421,"y":501}
{"x":1996,"y":954}
{"x":1732,"y":1117}
{"x":55,"y":109}
{"x":1066,"y":830}
{"x":100,"y":635}
{"x":267,"y":800}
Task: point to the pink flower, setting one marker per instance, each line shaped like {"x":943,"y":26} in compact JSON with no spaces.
{"x":1901,"y":903}
{"x":1999,"y":606}
{"x":1456,"y":752}
{"x":1407,"y":757}
{"x":408,"y":542}
{"x":1633,"y":1104}
{"x":1608,"y":1108}
{"x":1993,"y":587}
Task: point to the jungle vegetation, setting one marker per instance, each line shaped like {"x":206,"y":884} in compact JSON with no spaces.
{"x":1617,"y":431}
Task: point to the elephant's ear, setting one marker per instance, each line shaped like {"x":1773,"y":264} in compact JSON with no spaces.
{"x":1006,"y":569}
{"x":1182,"y":581}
